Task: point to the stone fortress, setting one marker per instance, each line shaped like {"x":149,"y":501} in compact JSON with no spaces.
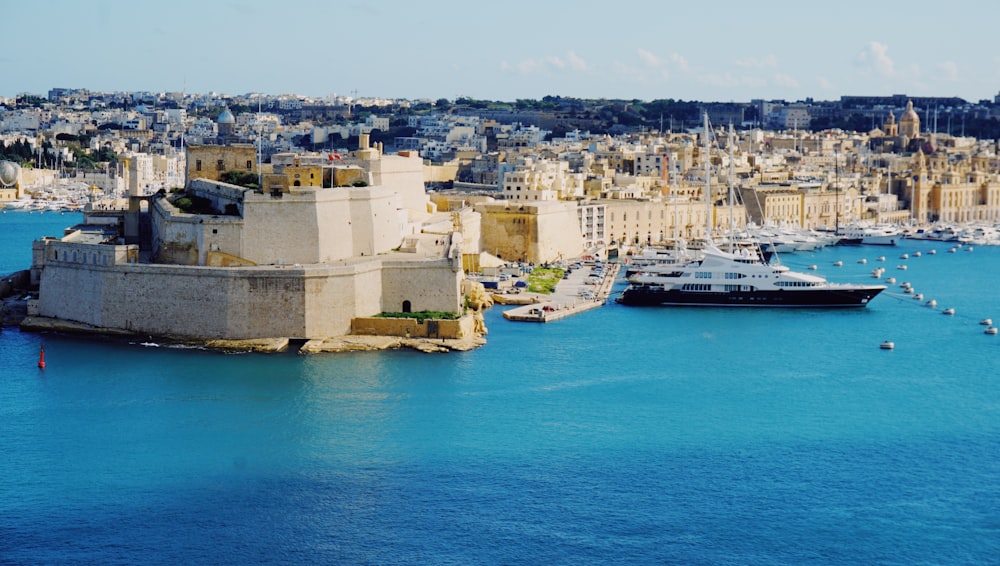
{"x":324,"y":242}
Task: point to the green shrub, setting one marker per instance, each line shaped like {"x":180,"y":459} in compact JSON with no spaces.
{"x":422,"y":315}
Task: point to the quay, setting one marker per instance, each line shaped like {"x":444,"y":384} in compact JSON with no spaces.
{"x":576,"y":293}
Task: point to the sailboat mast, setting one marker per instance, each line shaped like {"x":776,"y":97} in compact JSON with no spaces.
{"x":708,"y":183}
{"x":673,"y":196}
{"x":836,"y":169}
{"x":732,"y":175}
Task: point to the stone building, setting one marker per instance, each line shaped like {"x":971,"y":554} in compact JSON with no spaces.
{"x":211,"y":161}
{"x":302,"y":262}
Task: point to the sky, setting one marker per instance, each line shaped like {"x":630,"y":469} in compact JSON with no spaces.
{"x":722,"y":51}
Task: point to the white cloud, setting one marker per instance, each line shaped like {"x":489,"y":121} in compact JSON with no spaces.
{"x":576,"y":62}
{"x":783,"y":80}
{"x":768,"y":62}
{"x":875,"y":56}
{"x":824,"y":83}
{"x":546,"y":65}
{"x":648,"y":58}
{"x":679,"y":61}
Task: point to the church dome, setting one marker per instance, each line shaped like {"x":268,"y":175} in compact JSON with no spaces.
{"x":8,"y":173}
{"x":226,"y":117}
{"x":909,"y":122}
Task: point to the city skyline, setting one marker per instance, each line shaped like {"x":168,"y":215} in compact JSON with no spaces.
{"x":526,"y":50}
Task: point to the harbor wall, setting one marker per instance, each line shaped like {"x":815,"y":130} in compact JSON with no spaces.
{"x":314,"y":301}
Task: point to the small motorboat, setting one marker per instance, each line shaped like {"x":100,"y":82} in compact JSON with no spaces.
{"x":931,"y":303}
{"x":931,"y":252}
{"x":838,"y":263}
{"x":862,"y":261}
{"x":948,"y":311}
{"x":901,"y":267}
{"x":916,"y":254}
{"x":813,"y":267}
{"x":986,"y":322}
{"x":887,"y":345}
{"x":881,"y":258}
{"x":890,"y":280}
{"x":990,"y":330}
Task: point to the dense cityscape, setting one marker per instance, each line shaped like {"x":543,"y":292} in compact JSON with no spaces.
{"x":449,"y":192}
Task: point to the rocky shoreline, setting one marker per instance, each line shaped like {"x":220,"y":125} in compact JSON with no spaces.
{"x":349,"y":343}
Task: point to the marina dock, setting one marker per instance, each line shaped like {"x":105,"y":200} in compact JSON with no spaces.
{"x":576,"y":293}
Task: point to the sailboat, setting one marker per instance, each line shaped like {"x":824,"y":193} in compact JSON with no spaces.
{"x":738,"y":276}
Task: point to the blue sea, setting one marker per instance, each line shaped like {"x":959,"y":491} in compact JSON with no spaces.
{"x":620,"y":435}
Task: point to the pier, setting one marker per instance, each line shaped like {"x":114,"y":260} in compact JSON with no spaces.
{"x":574,"y":294}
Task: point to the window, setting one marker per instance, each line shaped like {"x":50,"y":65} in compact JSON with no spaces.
{"x":219,"y":165}
{"x":197,"y":165}
{"x":249,"y":165}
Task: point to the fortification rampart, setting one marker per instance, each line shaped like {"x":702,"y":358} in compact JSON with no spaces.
{"x":314,"y":301}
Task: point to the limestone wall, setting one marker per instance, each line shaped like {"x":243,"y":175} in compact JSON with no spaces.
{"x":533,"y":232}
{"x":188,"y":239}
{"x":234,"y":303}
{"x":413,"y":328}
{"x":403,"y":174}
{"x":433,"y":285}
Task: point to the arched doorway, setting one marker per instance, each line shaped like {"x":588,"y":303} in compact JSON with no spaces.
{"x":406,"y":306}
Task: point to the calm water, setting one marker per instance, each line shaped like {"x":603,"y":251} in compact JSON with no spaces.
{"x":620,"y":435}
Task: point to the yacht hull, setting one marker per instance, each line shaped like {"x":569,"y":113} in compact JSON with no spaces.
{"x":639,"y":295}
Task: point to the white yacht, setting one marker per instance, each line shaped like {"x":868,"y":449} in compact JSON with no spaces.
{"x":741,"y":279}
{"x":878,"y":235}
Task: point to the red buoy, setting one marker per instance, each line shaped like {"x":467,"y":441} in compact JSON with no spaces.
{"x":41,"y":357}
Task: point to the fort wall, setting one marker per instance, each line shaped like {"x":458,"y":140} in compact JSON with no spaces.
{"x":315,"y":301}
